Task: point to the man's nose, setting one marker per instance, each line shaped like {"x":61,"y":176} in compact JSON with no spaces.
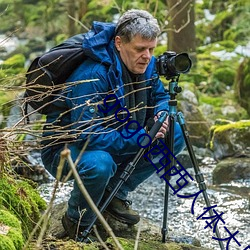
{"x":146,"y":54}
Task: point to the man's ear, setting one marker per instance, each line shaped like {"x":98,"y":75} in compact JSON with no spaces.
{"x":118,"y":42}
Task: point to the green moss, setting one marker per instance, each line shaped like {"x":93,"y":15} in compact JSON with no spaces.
{"x":6,"y":243}
{"x":225,"y":75}
{"x":128,"y":244}
{"x":235,"y":125}
{"x":219,"y":131}
{"x":9,"y":219}
{"x":13,"y":239}
{"x":16,"y":237}
{"x":212,"y":100}
{"x":21,"y":199}
{"x":16,"y":61}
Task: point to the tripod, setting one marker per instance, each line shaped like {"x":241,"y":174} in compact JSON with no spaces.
{"x":173,"y":90}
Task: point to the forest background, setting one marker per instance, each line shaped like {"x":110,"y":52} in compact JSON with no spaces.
{"x":214,"y":33}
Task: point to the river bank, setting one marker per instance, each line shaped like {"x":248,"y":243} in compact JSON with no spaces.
{"x":149,"y":197}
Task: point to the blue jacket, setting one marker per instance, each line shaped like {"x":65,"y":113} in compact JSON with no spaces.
{"x":103,"y":70}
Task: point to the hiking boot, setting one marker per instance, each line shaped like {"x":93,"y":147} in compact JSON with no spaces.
{"x":75,"y":231}
{"x":121,"y":211}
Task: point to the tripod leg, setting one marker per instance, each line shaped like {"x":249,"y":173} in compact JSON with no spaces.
{"x":198,"y":175}
{"x":169,"y":140}
{"x":128,"y":170}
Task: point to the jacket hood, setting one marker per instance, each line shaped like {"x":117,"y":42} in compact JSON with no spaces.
{"x":98,"y":43}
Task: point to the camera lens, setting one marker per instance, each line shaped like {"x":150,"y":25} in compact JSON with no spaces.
{"x":182,"y":63}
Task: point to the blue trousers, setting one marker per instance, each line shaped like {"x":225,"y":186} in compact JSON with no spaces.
{"x":100,"y":170}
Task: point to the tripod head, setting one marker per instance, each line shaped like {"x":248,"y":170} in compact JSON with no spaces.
{"x":174,"y":89}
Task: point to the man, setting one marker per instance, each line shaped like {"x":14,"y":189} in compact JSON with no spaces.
{"x":120,"y":62}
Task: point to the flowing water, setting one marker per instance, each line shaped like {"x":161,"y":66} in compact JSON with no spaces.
{"x":231,"y":199}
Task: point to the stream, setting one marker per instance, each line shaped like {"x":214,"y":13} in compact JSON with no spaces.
{"x":231,"y":199}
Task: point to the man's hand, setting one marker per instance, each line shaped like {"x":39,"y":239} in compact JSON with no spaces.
{"x":164,"y":128}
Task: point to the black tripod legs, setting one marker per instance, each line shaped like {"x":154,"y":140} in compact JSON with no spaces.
{"x":198,"y":175}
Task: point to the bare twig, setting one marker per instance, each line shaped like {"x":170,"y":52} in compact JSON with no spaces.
{"x":137,"y":236}
{"x":77,"y":21}
{"x":99,"y":238}
{"x":67,"y":155}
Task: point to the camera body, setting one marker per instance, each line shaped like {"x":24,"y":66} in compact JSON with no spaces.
{"x":171,"y":65}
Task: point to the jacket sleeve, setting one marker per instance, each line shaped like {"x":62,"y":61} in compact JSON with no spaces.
{"x":88,"y":123}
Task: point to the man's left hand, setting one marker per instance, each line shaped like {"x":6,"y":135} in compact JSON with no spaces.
{"x":164,"y":128}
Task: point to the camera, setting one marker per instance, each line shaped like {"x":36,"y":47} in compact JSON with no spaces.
{"x":171,"y":65}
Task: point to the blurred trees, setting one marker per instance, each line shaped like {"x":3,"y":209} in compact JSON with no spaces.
{"x":181,"y":26}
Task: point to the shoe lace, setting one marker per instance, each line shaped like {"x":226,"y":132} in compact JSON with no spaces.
{"x":127,"y":203}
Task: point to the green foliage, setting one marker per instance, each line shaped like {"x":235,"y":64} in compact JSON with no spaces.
{"x":224,"y":75}
{"x":12,"y":67}
{"x":217,"y":104}
{"x":17,"y":61}
{"x":229,"y":23}
{"x":242,"y":84}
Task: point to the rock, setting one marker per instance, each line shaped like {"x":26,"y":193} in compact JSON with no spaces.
{"x":197,"y":125}
{"x":231,"y":169}
{"x":231,"y":139}
{"x":150,"y":235}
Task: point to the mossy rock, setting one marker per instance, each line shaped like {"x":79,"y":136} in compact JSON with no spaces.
{"x":219,"y":107}
{"x":128,"y":244}
{"x":231,"y":169}
{"x":231,"y":139}
{"x":11,"y":237}
{"x":22,"y":200}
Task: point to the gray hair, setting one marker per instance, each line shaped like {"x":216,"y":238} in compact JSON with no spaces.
{"x":137,"y":22}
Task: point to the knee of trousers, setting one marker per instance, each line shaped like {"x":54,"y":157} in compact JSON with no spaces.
{"x":98,"y":165}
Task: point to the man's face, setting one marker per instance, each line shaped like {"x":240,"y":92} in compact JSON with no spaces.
{"x":137,"y":53}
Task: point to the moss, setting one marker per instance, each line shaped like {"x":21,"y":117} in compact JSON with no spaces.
{"x":9,"y":219}
{"x":234,"y":125}
{"x":220,"y":131}
{"x":242,"y":84}
{"x":21,"y":199}
{"x":128,"y":244}
{"x":13,"y":239}
{"x":16,"y":61}
{"x":6,"y":243}
{"x":16,"y":237}
{"x":225,"y":75}
{"x":214,"y":101}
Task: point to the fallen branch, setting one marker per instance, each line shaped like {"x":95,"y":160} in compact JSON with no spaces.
{"x":66,"y":154}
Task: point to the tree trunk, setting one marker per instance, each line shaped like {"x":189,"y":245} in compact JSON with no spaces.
{"x":72,"y":13}
{"x":83,"y":7}
{"x":181,"y":27}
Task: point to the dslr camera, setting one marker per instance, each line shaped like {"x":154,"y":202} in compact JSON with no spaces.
{"x":171,"y":65}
